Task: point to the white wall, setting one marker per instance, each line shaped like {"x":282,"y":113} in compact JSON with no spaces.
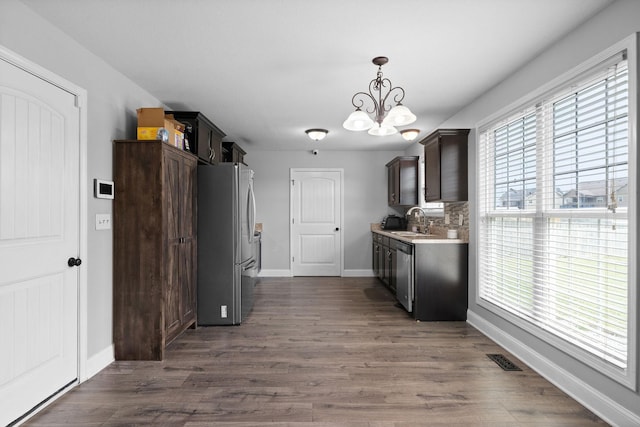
{"x":365,"y":201}
{"x":616,"y":403}
{"x":112,"y":101}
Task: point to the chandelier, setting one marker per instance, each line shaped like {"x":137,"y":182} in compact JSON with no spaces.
{"x":381,"y":94}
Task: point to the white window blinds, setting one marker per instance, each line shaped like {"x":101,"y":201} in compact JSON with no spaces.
{"x":553,"y":230}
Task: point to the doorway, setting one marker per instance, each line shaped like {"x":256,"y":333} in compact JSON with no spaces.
{"x":316,"y":222}
{"x":41,"y":229}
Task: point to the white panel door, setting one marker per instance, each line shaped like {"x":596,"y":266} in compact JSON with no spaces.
{"x":39,"y":232}
{"x":316,"y":222}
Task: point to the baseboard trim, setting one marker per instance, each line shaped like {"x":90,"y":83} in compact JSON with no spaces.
{"x":600,"y":404}
{"x":98,"y":362}
{"x":358,"y":273}
{"x":288,"y":273}
{"x":275,"y":273}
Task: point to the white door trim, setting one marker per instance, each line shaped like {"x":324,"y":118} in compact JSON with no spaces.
{"x":292,"y":171}
{"x":81,"y":99}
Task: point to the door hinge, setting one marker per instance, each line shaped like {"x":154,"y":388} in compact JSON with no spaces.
{"x":293,"y":220}
{"x":293,"y":259}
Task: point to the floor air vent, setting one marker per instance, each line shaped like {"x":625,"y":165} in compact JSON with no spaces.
{"x":503,"y":362}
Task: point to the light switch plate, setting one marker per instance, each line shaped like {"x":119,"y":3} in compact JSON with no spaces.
{"x":446,"y":219}
{"x":103,"y":221}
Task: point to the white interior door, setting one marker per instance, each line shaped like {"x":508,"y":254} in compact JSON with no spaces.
{"x":39,"y":232}
{"x":316,"y":216}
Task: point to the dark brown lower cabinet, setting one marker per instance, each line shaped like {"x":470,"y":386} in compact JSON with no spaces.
{"x":154,"y":223}
{"x":440,"y":282}
{"x":440,"y":270}
{"x":384,"y":260}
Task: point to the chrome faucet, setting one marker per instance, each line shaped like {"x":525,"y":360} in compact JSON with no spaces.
{"x":424,"y":218}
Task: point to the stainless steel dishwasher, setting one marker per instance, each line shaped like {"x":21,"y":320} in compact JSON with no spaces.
{"x":404,"y":274}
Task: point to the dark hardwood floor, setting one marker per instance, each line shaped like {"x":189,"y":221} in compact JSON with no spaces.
{"x":321,"y":352}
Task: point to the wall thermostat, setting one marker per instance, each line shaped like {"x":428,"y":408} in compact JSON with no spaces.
{"x":103,"y":189}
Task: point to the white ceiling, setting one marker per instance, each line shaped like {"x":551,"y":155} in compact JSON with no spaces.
{"x":266,"y":70}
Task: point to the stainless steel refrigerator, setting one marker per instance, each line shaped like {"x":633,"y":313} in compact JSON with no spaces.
{"x":227,"y":264}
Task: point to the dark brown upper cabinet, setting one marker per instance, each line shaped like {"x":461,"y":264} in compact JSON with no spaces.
{"x":445,"y":165}
{"x":232,"y":152}
{"x":402,"y":181}
{"x":205,"y":138}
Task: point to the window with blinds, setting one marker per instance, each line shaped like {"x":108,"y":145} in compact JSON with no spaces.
{"x":553,"y":229}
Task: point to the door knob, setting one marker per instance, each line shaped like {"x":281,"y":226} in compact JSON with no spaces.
{"x":337,"y":228}
{"x":74,"y":262}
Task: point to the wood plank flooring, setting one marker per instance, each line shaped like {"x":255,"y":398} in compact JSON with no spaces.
{"x":321,"y":352}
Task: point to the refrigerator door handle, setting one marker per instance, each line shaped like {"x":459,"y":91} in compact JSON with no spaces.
{"x":249,"y":266}
{"x":251,"y":217}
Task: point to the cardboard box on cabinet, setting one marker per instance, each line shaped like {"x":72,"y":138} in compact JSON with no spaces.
{"x":176,"y":137}
{"x":151,"y":121}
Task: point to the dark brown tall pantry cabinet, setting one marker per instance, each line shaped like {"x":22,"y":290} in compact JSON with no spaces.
{"x":154,"y":247}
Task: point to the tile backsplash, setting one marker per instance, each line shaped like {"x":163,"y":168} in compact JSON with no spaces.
{"x":454,"y":210}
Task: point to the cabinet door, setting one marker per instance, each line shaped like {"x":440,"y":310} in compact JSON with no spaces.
{"x":432,"y":170}
{"x":375,"y":248}
{"x":408,"y":182}
{"x":453,"y":166}
{"x":402,"y":181}
{"x":387,"y":266}
{"x":188,"y":277}
{"x":393,"y":184}
{"x":179,"y":190}
{"x":381,"y":257}
{"x":205,"y":145}
{"x":238,"y":157}
{"x":393,"y":266}
{"x":172,"y":194}
{"x":445,"y":166}
{"x":215,"y":142}
{"x":188,"y":182}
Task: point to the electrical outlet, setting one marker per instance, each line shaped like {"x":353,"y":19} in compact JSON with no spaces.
{"x":223,"y":311}
{"x":446,"y":219}
{"x":460,"y":219}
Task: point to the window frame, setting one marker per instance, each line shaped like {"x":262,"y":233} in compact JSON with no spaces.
{"x":627,"y":376}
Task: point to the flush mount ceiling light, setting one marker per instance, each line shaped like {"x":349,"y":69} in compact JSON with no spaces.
{"x":385,"y":117}
{"x":316,"y":134}
{"x":409,"y":134}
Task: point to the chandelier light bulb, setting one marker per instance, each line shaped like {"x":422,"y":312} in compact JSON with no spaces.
{"x":400,"y":116}
{"x":358,"y":121}
{"x":382,"y":130}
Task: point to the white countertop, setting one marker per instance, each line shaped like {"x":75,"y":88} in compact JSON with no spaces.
{"x":415,"y":238}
